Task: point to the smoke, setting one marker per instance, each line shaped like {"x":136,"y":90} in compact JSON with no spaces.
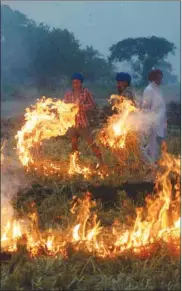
{"x":142,"y":122}
{"x":14,"y":62}
{"x":135,"y":119}
{"x":12,"y":180}
{"x":14,"y":108}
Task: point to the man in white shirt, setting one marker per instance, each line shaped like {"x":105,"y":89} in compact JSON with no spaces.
{"x":153,"y":102}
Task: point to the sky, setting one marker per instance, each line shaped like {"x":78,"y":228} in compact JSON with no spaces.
{"x":103,"y":23}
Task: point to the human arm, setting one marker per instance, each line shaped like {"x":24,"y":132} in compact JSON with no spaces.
{"x":133,"y":98}
{"x":89,"y":103}
{"x":128,"y":93}
{"x":146,"y":103}
{"x":66,"y":98}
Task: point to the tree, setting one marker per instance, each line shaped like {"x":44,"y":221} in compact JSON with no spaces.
{"x":142,"y":53}
{"x":14,"y":58}
{"x":95,"y":67}
{"x":57,"y":56}
{"x":35,"y":53}
{"x":168,"y":76}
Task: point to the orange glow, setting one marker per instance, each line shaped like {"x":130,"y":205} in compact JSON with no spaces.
{"x":115,"y":131}
{"x":47,"y":118}
{"x":158,"y":221}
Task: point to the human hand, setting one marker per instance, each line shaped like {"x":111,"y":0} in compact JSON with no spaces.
{"x":80,"y":106}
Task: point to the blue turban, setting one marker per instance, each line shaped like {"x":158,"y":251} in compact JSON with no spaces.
{"x":123,"y":77}
{"x":77,"y":76}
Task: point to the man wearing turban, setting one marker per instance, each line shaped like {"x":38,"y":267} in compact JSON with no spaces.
{"x":153,"y":102}
{"x":123,"y":86}
{"x":84,"y":99}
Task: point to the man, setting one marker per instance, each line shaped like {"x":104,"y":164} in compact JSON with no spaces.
{"x":123,"y":87}
{"x":153,"y":102}
{"x":83,"y":98}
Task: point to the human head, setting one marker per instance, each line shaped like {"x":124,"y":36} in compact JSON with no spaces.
{"x":155,"y":76}
{"x":77,"y":80}
{"x":123,"y":81}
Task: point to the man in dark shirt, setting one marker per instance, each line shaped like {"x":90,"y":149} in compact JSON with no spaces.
{"x":123,"y":87}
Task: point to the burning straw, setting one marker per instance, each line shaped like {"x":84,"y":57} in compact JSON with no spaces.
{"x":155,"y":224}
{"x":46,"y":119}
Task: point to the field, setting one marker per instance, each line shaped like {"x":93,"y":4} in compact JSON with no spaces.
{"x":117,"y":197}
{"x":16,"y":99}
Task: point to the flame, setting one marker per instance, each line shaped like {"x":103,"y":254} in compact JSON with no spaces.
{"x":16,"y":230}
{"x":177,"y":224}
{"x":115,"y":132}
{"x":47,"y":118}
{"x":75,"y":168}
{"x":10,"y":235}
{"x":49,"y":243}
{"x":86,"y":171}
{"x":50,"y":118}
{"x":76,"y":236}
{"x":159,"y":221}
{"x":160,"y":212}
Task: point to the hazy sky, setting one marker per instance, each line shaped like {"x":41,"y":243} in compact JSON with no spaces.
{"x":102,"y":23}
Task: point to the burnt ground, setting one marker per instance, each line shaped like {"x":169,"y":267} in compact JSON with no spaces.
{"x":109,"y":194}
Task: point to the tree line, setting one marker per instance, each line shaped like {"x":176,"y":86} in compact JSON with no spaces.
{"x":34,"y":53}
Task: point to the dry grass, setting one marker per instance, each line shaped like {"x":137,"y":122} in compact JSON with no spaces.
{"x":82,"y":271}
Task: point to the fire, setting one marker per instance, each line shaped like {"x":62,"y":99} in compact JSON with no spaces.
{"x":76,"y":236}
{"x":158,"y":221}
{"x":47,"y":118}
{"x":75,"y":168}
{"x":10,"y":235}
{"x":16,"y":230}
{"x":49,"y":243}
{"x":50,"y":118}
{"x":115,"y":132}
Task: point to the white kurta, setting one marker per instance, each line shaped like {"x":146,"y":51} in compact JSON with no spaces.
{"x":153,"y":102}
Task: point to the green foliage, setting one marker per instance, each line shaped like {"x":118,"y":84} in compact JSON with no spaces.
{"x":35,"y":53}
{"x":143,"y":53}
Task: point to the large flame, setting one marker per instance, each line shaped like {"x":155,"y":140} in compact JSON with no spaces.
{"x":115,"y":132}
{"x":47,"y":118}
{"x":158,"y":222}
{"x":50,"y":118}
